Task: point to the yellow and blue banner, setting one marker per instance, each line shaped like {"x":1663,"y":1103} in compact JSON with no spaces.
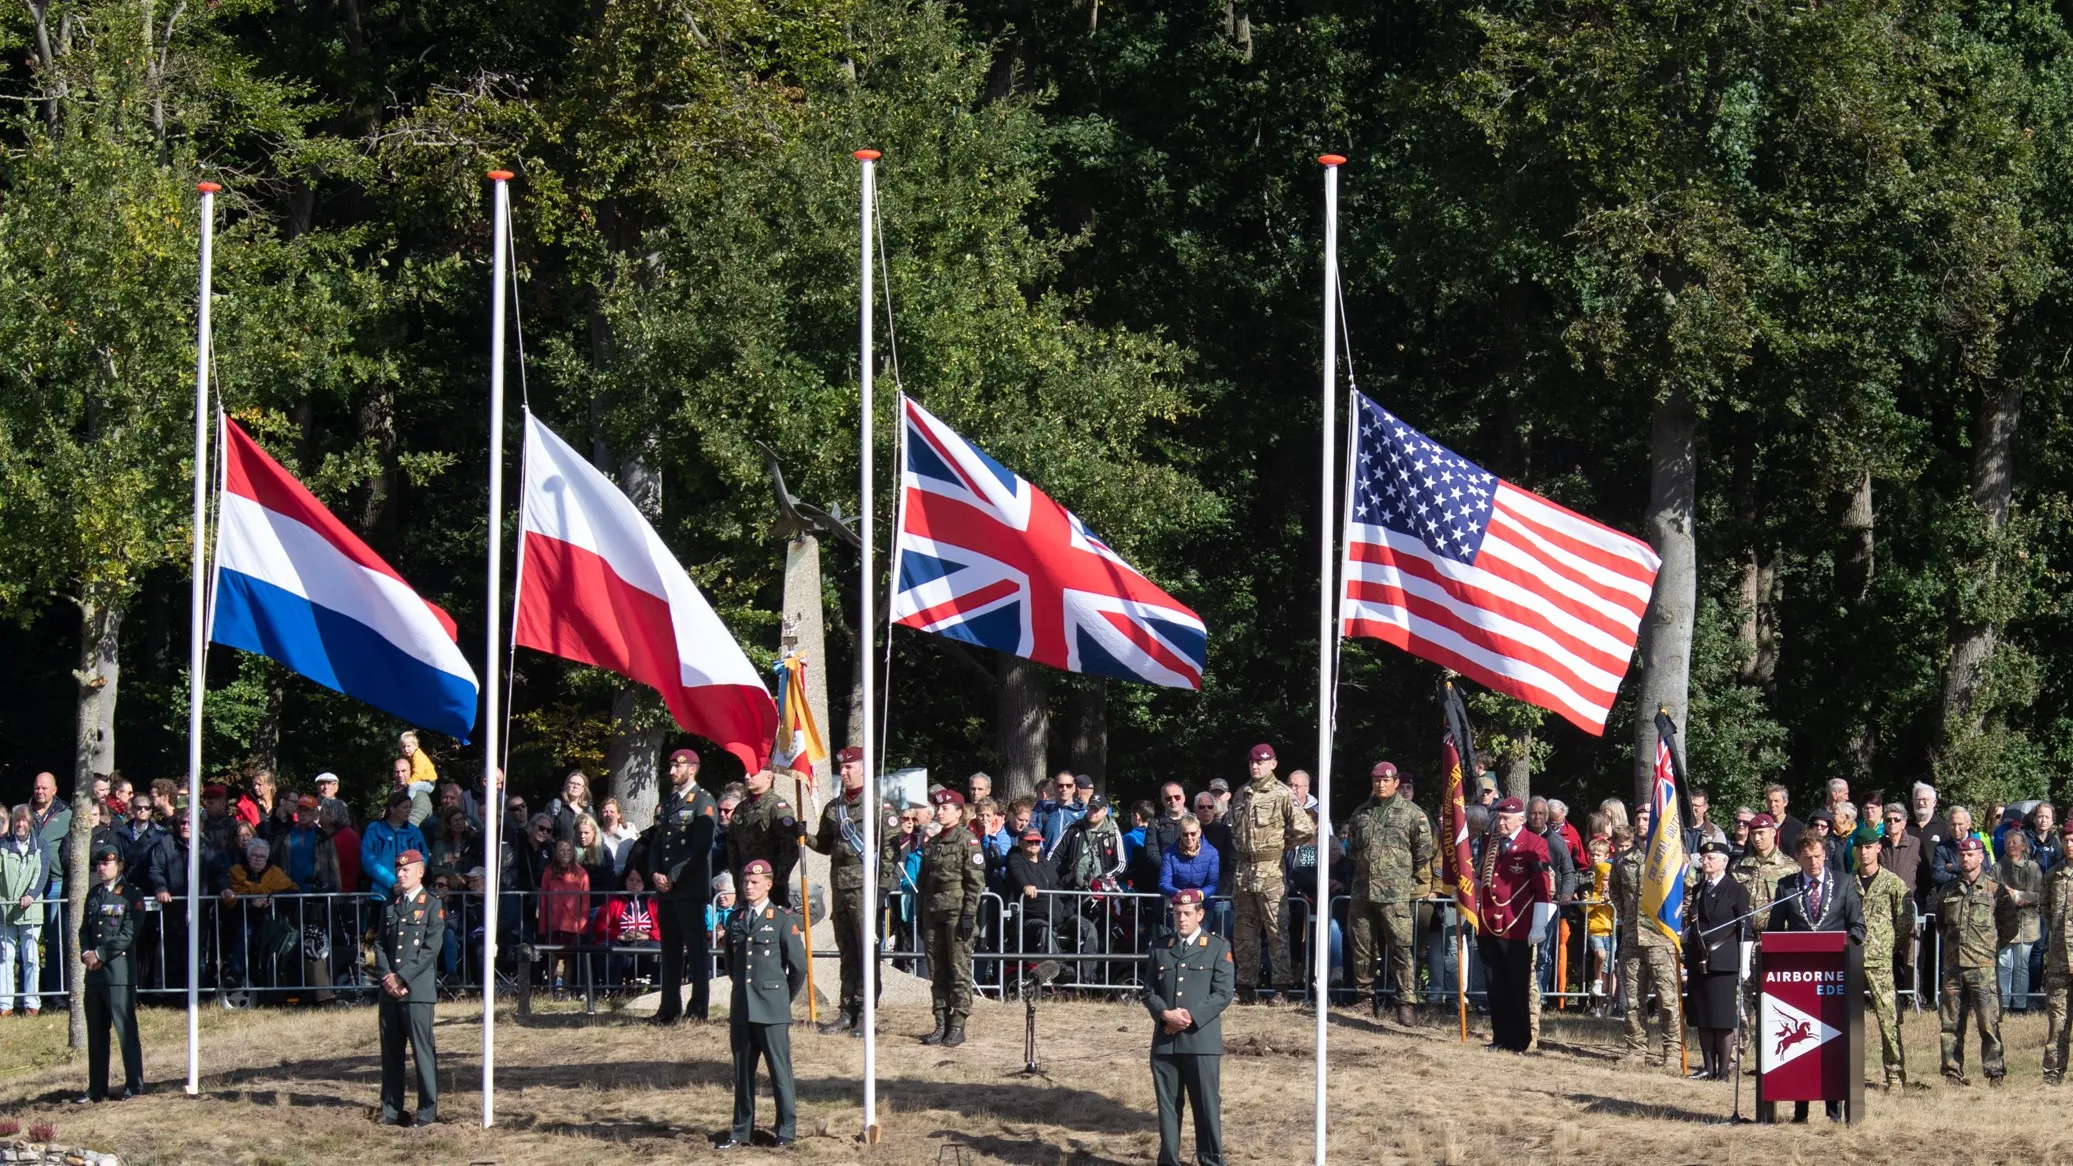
{"x":1663,"y":867}
{"x":799,"y":745}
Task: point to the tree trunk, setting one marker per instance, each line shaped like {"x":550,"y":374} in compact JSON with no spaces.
{"x":266,"y":738}
{"x":1854,"y":576}
{"x":1666,"y":630}
{"x":1518,"y":770}
{"x":1993,"y":487}
{"x":1087,"y":728}
{"x":1022,"y":725}
{"x":378,"y":427}
{"x":634,"y":758}
{"x":98,"y":674}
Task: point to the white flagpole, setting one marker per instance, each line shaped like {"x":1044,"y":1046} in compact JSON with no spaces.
{"x":869,"y":619}
{"x":1327,"y":633}
{"x":198,"y":645}
{"x":492,"y":723}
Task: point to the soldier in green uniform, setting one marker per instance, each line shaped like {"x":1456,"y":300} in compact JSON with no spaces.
{"x":406,"y":954}
{"x":1648,"y":961}
{"x":841,"y":838}
{"x":1188,"y":984}
{"x":1389,"y":841}
{"x":953,"y":873}
{"x":768,"y":958}
{"x":1889,"y":923}
{"x":106,"y":940}
{"x":1760,"y":870}
{"x":1265,"y":822}
{"x":1974,"y":917}
{"x":2058,"y":968}
{"x":764,"y":826}
{"x":680,"y":863}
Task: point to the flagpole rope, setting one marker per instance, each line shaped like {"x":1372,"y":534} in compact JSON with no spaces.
{"x":885,"y":696}
{"x":892,"y":340}
{"x":525,"y":406}
{"x":525,"y":402}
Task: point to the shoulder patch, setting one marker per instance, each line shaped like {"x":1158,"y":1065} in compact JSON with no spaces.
{"x":1227,"y":956}
{"x":978,"y":859}
{"x":795,"y":929}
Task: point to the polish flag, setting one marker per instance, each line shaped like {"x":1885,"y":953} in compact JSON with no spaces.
{"x":597,"y":585}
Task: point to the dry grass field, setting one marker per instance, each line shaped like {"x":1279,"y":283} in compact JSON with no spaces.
{"x":284,"y":1086}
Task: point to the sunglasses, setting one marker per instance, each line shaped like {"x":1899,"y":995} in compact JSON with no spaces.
{"x":1175,"y":798}
{"x":1191,"y":834}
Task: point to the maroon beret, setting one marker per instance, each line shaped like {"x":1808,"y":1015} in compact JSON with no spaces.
{"x":1511,"y":806}
{"x":1186,"y":895}
{"x":1969,"y":843}
{"x":1763,"y":822}
{"x":756,"y":866}
{"x":1382,"y":769}
{"x":690,"y":755}
{"x":1261,"y":752}
{"x":948,"y":797}
{"x":408,"y":857}
{"x":848,"y":754}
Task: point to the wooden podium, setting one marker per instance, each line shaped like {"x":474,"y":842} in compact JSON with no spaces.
{"x":1809,"y":1030}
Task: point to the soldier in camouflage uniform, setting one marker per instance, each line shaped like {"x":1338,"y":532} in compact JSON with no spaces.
{"x":1889,"y":923}
{"x":1265,"y":821}
{"x":953,"y":873}
{"x":1974,"y":917}
{"x":841,"y":838}
{"x":764,"y":826}
{"x":2058,"y":969}
{"x":1760,"y":870}
{"x":1390,"y":844}
{"x":1648,"y":961}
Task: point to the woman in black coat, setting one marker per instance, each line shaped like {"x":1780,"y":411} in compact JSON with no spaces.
{"x":1715,"y":928}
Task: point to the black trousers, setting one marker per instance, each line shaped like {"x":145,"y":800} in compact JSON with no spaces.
{"x":1507,"y":975}
{"x":772,"y":1044}
{"x":111,"y":1006}
{"x":1197,"y":1079}
{"x":684,"y":943}
{"x":403,"y":1023}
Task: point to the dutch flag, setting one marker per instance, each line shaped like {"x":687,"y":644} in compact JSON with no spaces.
{"x":293,"y":584}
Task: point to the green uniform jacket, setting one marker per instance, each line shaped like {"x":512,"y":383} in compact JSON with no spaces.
{"x":110,"y":931}
{"x":1198,"y":976}
{"x":1760,"y":877}
{"x":766,"y":828}
{"x":1390,"y":842}
{"x":683,"y":845}
{"x":767,"y":957}
{"x":1265,"y":820}
{"x":2058,"y":920}
{"x":1973,"y":920}
{"x":953,"y":873}
{"x":841,"y":838}
{"x":412,"y":930}
{"x":1624,"y":888}
{"x":1888,"y":918}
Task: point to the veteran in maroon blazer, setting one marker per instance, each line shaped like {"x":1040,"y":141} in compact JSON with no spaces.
{"x":1513,"y":876}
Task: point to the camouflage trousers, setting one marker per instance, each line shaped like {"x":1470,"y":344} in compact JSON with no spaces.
{"x":1878,"y":988}
{"x":1651,"y":971}
{"x":2056,"y":1032}
{"x":1393,"y":921}
{"x":950,"y":969}
{"x":1252,"y":913}
{"x":1971,"y":994}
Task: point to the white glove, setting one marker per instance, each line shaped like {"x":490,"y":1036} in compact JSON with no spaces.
{"x":1542,"y":913}
{"x":1748,"y":957}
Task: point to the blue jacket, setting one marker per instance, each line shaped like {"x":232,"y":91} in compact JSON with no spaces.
{"x":378,"y":850}
{"x":1054,"y":818}
{"x":1178,"y":872}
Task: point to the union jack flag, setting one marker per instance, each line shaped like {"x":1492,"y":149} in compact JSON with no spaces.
{"x":985,"y":557}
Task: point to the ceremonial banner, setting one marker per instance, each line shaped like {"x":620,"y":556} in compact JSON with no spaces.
{"x":597,"y":585}
{"x":987,"y":558}
{"x":1664,"y":863}
{"x":1456,"y":864}
{"x":294,"y":585}
{"x":799,"y":745}
{"x":1499,"y":584}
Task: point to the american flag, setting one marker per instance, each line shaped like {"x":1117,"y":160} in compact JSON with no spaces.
{"x":987,"y":558}
{"x":1451,"y":564}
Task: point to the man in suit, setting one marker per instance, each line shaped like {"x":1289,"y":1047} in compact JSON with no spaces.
{"x":1513,"y":878}
{"x":1817,"y":899}
{"x":767,"y":957}
{"x":406,"y":954}
{"x":1189,"y":981}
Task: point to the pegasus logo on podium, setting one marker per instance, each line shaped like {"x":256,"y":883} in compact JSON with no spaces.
{"x":1791,"y":1033}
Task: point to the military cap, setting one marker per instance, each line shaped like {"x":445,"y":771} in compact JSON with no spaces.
{"x":1511,"y":806}
{"x":848,"y":754}
{"x":756,"y":866}
{"x":1186,"y":896}
{"x":690,"y":755}
{"x":106,"y":851}
{"x":947,"y":797}
{"x":1715,"y":846}
{"x":215,"y":789}
{"x":1382,"y":769}
{"x":2067,"y":828}
{"x":409,"y":856}
{"x":1261,"y":752}
{"x":1762,"y":822}
{"x":1969,"y":843}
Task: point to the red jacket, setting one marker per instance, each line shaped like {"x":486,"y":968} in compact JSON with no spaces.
{"x":564,"y":901}
{"x":347,"y":840}
{"x":1508,"y":885}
